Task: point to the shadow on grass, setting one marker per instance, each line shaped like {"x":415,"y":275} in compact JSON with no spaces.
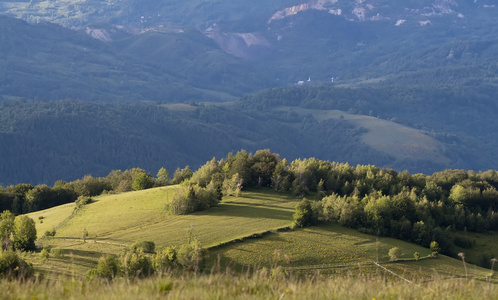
{"x":248,"y":211}
{"x":242,"y":203}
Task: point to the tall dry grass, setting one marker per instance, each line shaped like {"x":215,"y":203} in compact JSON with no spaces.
{"x":262,"y":284}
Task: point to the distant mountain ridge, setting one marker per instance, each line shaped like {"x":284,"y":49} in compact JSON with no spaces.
{"x":133,"y":13}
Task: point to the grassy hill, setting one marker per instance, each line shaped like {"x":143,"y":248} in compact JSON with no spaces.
{"x":243,"y":231}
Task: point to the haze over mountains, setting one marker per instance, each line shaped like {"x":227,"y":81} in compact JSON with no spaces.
{"x":433,"y":63}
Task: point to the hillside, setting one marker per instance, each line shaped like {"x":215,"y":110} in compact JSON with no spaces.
{"x":417,"y":129}
{"x":116,"y":221}
{"x":177,"y":52}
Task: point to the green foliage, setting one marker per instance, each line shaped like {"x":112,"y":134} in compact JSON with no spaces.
{"x":181,"y":175}
{"x":49,"y":233}
{"x":136,"y":264}
{"x":416,"y":255}
{"x":304,"y":214}
{"x":394,"y":253}
{"x":163,"y":177}
{"x":143,"y":246}
{"x":82,"y":200}
{"x":24,"y":234}
{"x":6,"y":228}
{"x":57,"y":252}
{"x":14,"y":267}
{"x":192,"y":197}
{"x":142,"y":181}
{"x":434,"y":248}
{"x":190,"y":255}
{"x":108,"y":267}
{"x":44,"y":255}
{"x":233,"y":186}
{"x":165,"y":258}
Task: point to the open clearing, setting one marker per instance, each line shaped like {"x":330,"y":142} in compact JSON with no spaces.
{"x":397,"y":140}
{"x":128,"y":217}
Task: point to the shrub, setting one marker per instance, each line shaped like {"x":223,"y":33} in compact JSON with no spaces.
{"x":108,"y":267}
{"x":394,"y":253}
{"x":49,"y":233}
{"x":434,"y":248}
{"x":143,"y":246}
{"x":165,"y":258}
{"x":83,"y":200}
{"x":190,"y":255}
{"x":192,"y":197}
{"x":44,"y":255}
{"x":57,"y":252}
{"x":136,"y":264}
{"x":14,"y":267}
{"x":304,"y":214}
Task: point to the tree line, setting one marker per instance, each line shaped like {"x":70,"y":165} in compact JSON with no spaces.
{"x":417,"y":208}
{"x":24,"y":198}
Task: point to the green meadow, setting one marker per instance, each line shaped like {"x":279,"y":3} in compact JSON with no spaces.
{"x":116,"y":221}
{"x":252,"y":230}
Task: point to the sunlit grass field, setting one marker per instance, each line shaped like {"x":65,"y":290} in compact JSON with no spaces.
{"x":335,"y":249}
{"x":243,"y":232}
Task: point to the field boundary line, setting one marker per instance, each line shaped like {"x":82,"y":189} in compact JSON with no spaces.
{"x":75,"y":210}
{"x":254,"y":235}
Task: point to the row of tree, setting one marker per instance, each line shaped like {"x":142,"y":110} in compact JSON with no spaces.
{"x":24,"y":198}
{"x":417,"y":208}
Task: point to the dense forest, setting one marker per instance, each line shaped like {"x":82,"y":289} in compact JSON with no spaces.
{"x":44,"y":141}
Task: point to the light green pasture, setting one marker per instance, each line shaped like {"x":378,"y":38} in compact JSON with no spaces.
{"x":332,"y":248}
{"x":141,"y":215}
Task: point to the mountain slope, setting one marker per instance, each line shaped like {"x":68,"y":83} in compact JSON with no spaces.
{"x":209,"y":51}
{"x":419,"y":129}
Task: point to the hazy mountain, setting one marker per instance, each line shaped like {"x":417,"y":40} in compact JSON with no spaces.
{"x":434,"y":62}
{"x":220,"y":50}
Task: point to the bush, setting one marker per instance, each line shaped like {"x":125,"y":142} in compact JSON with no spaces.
{"x":394,"y":253}
{"x":192,"y":197}
{"x":136,"y":264}
{"x":165,"y":258}
{"x":108,"y":267}
{"x":44,"y":255}
{"x":304,"y":214}
{"x":14,"y":267}
{"x":434,"y":248}
{"x":143,"y":246}
{"x":49,"y":233}
{"x":57,"y":252}
{"x":190,"y":255}
{"x":83,"y":200}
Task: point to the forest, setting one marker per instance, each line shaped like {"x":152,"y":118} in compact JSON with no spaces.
{"x":45,"y":141}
